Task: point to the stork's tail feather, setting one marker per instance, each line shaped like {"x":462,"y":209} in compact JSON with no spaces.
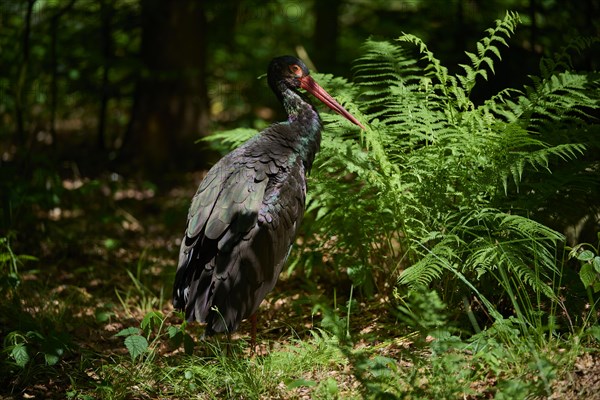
{"x":192,"y":292}
{"x":183,"y":278}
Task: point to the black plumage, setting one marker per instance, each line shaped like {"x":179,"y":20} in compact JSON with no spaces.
{"x":245,"y":215}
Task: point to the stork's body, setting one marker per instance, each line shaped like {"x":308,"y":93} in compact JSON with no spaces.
{"x":245,"y":215}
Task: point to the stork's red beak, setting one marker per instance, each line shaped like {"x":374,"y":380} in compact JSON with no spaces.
{"x":307,"y":83}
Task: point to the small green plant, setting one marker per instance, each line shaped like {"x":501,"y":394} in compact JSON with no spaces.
{"x":423,"y":311}
{"x":24,"y":347}
{"x":142,"y":342}
{"x":588,"y":256}
{"x":9,"y":267}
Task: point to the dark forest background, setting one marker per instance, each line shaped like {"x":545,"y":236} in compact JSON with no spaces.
{"x":131,"y":85}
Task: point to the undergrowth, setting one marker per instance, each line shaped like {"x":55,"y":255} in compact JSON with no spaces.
{"x":440,"y":207}
{"x":435,"y":191}
{"x":442,"y":192}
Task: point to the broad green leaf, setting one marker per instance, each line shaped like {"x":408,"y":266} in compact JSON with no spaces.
{"x":172,"y":331}
{"x":129,"y":331}
{"x":151,"y":319}
{"x":103,"y":315}
{"x":20,"y":355}
{"x":585,"y":255}
{"x":587,"y":275}
{"x":136,"y":345}
{"x":51,"y":359}
{"x":596,"y":264}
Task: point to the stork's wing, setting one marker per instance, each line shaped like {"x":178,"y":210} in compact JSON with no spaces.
{"x":225,"y":207}
{"x":241,"y":225}
{"x":248,"y":270}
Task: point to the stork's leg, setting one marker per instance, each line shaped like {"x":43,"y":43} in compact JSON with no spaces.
{"x":253,"y":332}
{"x":228,"y":349}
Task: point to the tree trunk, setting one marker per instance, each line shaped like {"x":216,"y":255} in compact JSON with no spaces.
{"x":106,"y":11}
{"x":171,"y":104}
{"x":54,"y":23}
{"x":20,"y":95}
{"x":326,"y":34}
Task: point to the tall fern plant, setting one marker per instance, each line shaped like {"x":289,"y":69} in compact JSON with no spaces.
{"x":431,"y":190}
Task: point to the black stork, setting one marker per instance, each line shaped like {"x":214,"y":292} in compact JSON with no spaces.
{"x":245,"y":215}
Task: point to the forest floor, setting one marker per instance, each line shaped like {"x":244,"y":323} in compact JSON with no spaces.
{"x":106,"y":257}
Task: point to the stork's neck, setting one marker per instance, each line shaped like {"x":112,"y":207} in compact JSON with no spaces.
{"x":296,"y":105}
{"x":306,"y":124}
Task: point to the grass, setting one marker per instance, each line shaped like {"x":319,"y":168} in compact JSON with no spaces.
{"x":225,"y":371}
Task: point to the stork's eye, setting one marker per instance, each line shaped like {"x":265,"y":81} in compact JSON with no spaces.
{"x":296,"y":70}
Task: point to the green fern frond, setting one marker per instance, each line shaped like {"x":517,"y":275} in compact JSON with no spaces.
{"x":434,"y":67}
{"x":429,"y":187}
{"x":490,"y":240}
{"x":230,"y":139}
{"x":433,"y":263}
{"x":550,"y":66}
{"x":487,"y":47}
